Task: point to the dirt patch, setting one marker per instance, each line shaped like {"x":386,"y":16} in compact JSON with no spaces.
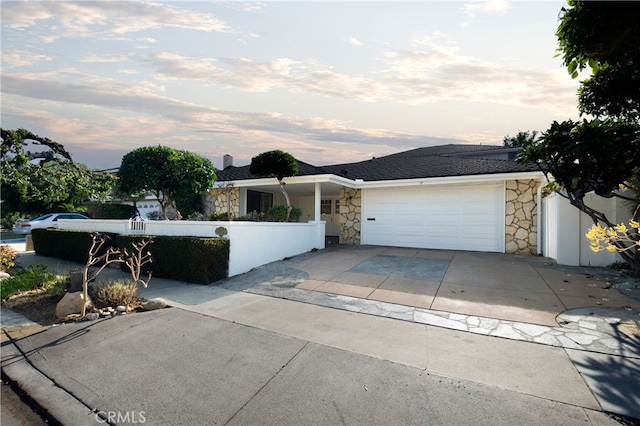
{"x":40,"y":308}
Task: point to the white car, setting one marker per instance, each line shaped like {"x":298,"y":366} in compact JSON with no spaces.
{"x":46,"y":221}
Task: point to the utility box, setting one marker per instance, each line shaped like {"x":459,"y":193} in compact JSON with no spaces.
{"x":75,"y":281}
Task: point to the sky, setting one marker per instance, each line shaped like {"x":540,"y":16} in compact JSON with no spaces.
{"x":329,"y":82}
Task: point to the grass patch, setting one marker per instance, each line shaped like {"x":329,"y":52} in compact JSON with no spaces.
{"x":35,"y":279}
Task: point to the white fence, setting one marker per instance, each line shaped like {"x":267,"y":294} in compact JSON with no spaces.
{"x":565,"y":228}
{"x":251,"y":244}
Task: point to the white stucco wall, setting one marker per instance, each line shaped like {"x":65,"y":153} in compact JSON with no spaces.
{"x":252,"y":244}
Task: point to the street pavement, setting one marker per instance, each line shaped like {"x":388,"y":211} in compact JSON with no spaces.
{"x":175,"y":367}
{"x":228,"y":355}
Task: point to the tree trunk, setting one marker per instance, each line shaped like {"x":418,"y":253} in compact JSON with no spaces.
{"x":286,"y":197}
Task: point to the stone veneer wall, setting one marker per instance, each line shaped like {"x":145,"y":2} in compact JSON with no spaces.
{"x":350,"y":215}
{"x":521,"y":221}
{"x":215,"y":201}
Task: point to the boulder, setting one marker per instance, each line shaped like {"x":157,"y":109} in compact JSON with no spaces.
{"x":4,"y":275}
{"x":153,"y":304}
{"x":71,"y":303}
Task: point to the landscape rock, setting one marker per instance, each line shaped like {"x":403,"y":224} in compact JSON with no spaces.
{"x":4,"y":275}
{"x":71,"y":303}
{"x":121,"y":309}
{"x":92,"y":316}
{"x":153,"y":304}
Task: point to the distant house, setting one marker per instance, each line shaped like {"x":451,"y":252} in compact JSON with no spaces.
{"x":148,"y":207}
{"x":456,"y":197}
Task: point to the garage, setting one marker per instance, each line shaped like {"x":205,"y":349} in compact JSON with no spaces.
{"x":464,"y":217}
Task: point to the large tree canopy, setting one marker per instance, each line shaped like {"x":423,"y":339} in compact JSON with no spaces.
{"x":584,"y":156}
{"x":169,"y":174}
{"x":605,"y":36}
{"x":602,"y":153}
{"x":47,"y":179}
{"x":597,"y":34}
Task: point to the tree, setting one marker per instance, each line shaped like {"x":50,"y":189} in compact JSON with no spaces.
{"x":169,"y":174}
{"x":96,"y":263}
{"x":600,"y":154}
{"x":521,"y":140}
{"x":35,"y":182}
{"x":278,"y":164}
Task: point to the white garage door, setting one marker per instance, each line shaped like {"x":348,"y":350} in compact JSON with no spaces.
{"x":452,"y":217}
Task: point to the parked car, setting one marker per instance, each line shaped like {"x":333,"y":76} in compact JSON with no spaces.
{"x":46,"y":221}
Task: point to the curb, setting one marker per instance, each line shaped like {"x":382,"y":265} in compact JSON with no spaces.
{"x":53,"y":400}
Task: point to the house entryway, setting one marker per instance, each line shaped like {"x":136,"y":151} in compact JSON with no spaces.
{"x":329,"y":213}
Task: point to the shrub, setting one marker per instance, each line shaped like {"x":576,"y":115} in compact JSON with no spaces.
{"x":196,"y":216}
{"x":35,"y":277}
{"x":7,"y":256}
{"x":218,"y":216}
{"x":115,"y":293}
{"x":9,"y":219}
{"x":279,"y":214}
{"x":253,"y":216}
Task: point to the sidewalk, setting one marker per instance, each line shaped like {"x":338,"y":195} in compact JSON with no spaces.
{"x":418,"y":369}
{"x":261,"y":360}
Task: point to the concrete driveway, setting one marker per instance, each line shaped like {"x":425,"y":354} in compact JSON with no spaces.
{"x":528,"y":289}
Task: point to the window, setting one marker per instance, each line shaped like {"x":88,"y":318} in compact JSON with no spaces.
{"x":259,"y":201}
{"x":325,"y":206}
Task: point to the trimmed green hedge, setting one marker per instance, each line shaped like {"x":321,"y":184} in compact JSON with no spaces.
{"x":97,"y":210}
{"x":191,"y":259}
{"x":67,"y":245}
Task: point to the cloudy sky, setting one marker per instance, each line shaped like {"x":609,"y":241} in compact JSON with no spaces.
{"x":330,"y":82}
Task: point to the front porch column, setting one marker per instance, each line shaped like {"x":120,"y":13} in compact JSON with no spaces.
{"x":316,"y":210}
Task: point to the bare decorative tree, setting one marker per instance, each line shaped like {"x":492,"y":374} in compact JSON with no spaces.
{"x":134,"y":261}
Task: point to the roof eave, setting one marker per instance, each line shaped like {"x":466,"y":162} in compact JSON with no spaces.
{"x":324,"y":178}
{"x":484,"y":178}
{"x":360,"y":184}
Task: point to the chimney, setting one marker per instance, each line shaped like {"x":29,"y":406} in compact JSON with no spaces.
{"x":227,"y":161}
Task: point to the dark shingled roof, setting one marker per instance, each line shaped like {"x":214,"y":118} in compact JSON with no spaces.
{"x":399,"y":167}
{"x":449,"y":150}
{"x":429,"y":162}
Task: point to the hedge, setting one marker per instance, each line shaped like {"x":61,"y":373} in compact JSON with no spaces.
{"x":190,"y":259}
{"x":67,"y":245}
